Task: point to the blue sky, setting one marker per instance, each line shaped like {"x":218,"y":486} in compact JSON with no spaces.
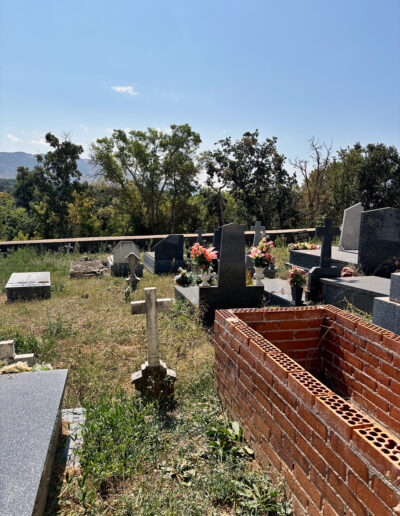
{"x":291,"y":68}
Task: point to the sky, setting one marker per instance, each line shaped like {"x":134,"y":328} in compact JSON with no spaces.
{"x":294,"y":69}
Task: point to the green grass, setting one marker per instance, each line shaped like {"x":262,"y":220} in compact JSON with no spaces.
{"x":136,"y":459}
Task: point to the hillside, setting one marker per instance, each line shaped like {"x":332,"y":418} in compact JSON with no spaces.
{"x":10,"y":161}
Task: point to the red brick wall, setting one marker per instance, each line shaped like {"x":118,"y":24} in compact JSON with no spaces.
{"x":335,"y":458}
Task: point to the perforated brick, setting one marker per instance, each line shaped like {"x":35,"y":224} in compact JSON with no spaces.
{"x":381,"y":447}
{"x":307,"y":387}
{"x":282,"y":365}
{"x":342,"y":417}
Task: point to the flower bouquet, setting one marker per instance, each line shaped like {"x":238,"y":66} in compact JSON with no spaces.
{"x":202,"y":257}
{"x":299,"y":246}
{"x":297,"y":280}
{"x":184,"y":278}
{"x":347,"y":271}
{"x":262,"y":258}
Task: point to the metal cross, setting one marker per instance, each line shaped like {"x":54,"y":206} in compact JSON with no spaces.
{"x":151,"y":306}
{"x":259,"y":230}
{"x":325,"y":232}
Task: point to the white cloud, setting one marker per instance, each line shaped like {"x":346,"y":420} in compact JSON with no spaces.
{"x":13,"y":138}
{"x":84,"y":128}
{"x":40,"y":141}
{"x":124,"y":89}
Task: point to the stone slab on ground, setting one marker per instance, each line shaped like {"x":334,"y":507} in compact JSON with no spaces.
{"x":29,"y":427}
{"x":28,"y":286}
{"x":310,"y":258}
{"x":72,"y":420}
{"x":86,"y":268}
{"x":359,"y":291}
{"x":278,"y":292}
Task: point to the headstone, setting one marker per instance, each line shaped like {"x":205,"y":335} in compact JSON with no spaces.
{"x":259,"y":232}
{"x":167,"y":255}
{"x":217,"y":239}
{"x":379,"y":249}
{"x":154,"y":380}
{"x":117,"y":262}
{"x":69,"y":248}
{"x":350,"y":234}
{"x":386,"y":312}
{"x":7,"y":353}
{"x":325,"y":232}
{"x":85,"y":268}
{"x":199,"y":232}
{"x":132,"y":280}
{"x":29,"y":428}
{"x":231,"y":291}
{"x":28,"y":286}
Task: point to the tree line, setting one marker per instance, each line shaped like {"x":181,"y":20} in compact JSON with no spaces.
{"x":151,"y":182}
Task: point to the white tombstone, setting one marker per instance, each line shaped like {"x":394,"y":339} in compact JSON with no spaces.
{"x":350,"y":235}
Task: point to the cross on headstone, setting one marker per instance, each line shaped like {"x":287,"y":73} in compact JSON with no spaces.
{"x":68,"y":247}
{"x":258,"y":232}
{"x":325,"y":232}
{"x":199,"y":232}
{"x":133,"y":261}
{"x":154,"y":380}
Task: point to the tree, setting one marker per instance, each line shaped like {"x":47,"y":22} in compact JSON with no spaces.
{"x":254,"y":174}
{"x":15,"y":223}
{"x":156,"y":171}
{"x":314,"y":178}
{"x":47,"y":190}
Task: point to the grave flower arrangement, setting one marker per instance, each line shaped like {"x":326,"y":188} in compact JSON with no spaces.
{"x":203,"y":256}
{"x":261,"y":255}
{"x":347,"y":271}
{"x":299,"y":246}
{"x":184,"y":278}
{"x":297,"y":277}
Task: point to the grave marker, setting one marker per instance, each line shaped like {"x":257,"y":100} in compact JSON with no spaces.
{"x":117,"y":262}
{"x":154,"y":380}
{"x":326,"y":233}
{"x":386,"y":311}
{"x":199,"y":232}
{"x":350,"y":234}
{"x":259,"y":232}
{"x":28,"y":286}
{"x":167,"y":255}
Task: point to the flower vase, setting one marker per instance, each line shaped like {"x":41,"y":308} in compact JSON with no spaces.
{"x":205,"y":276}
{"x":297,"y":294}
{"x":259,"y":276}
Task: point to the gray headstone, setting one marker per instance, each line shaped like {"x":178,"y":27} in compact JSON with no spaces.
{"x":259,"y":232}
{"x":199,"y":232}
{"x":232,"y":268}
{"x":28,"y":285}
{"x":350,"y":235}
{"x":379,"y":249}
{"x":123,"y":249}
{"x":325,"y":232}
{"x":395,"y":287}
{"x":217,"y":239}
{"x":169,"y":248}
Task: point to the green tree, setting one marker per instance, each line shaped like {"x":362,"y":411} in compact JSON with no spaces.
{"x":47,"y":190}
{"x":15,"y":223}
{"x":155,"y":171}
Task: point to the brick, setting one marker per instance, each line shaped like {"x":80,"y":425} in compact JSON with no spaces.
{"x":348,"y":495}
{"x":272,"y":456}
{"x":262,"y":327}
{"x":246,"y":355}
{"x":260,"y":424}
{"x":280,"y":365}
{"x":297,"y":490}
{"x":316,"y":460}
{"x":308,"y":485}
{"x":366,"y":380}
{"x":298,"y":422}
{"x":294,"y":324}
{"x":298,"y":458}
{"x":327,"y":492}
{"x":328,"y":510}
{"x":285,"y":393}
{"x":284,"y":423}
{"x":264,"y":371}
{"x":244,"y":367}
{"x":352,"y":460}
{"x":389,"y":342}
{"x":378,"y":352}
{"x":335,"y":462}
{"x":388,"y":395}
{"x":306,"y":387}
{"x":376,"y":373}
{"x":281,"y":451}
{"x":375,"y":399}
{"x":307,"y":334}
{"x":389,"y":370}
{"x":278,"y":315}
{"x":368,"y":498}
{"x":386,"y":492}
{"x":318,"y":426}
{"x":366,"y":357}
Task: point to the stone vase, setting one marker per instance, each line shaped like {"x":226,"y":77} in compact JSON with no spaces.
{"x":205,"y":276}
{"x":259,"y":276}
{"x":297,"y":294}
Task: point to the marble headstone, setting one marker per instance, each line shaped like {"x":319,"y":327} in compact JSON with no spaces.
{"x":28,"y":286}
{"x":350,"y":235}
{"x":123,"y":249}
{"x":379,"y":248}
{"x":232,"y":268}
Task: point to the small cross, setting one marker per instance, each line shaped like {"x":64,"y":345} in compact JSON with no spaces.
{"x":199,"y":232}
{"x":325,"y":232}
{"x":259,"y":230}
{"x":68,"y":247}
{"x":150,"y":306}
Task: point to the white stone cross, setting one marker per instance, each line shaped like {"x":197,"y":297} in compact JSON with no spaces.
{"x":68,"y":247}
{"x":150,"y":306}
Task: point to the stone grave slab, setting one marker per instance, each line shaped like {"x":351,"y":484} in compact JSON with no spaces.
{"x":278,"y":292}
{"x":307,"y":259}
{"x":386,"y":310}
{"x":117,"y":262}
{"x":350,"y":234}
{"x":231,"y":291}
{"x":360,"y":291}
{"x":86,"y":268}
{"x":167,"y":255}
{"x":379,"y":250}
{"x":29,"y":427}
{"x":28,"y":286}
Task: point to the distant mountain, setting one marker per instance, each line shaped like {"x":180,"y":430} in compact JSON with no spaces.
{"x":10,"y":161}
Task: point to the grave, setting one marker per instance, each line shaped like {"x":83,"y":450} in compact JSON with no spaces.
{"x":325,"y":268}
{"x":7,"y":353}
{"x":386,"y":310}
{"x":350,"y":234}
{"x":379,"y":250}
{"x":29,"y":428}
{"x":217,"y":239}
{"x":231,"y":290}
{"x":132,"y":280}
{"x":28,"y":286}
{"x":167,"y":255}
{"x":69,"y":248}
{"x":309,"y":388}
{"x":117,"y":262}
{"x":154,"y":380}
{"x":199,"y":232}
{"x":278,"y":292}
{"x":86,"y":268}
{"x":259,"y":232}
{"x":359,"y":291}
